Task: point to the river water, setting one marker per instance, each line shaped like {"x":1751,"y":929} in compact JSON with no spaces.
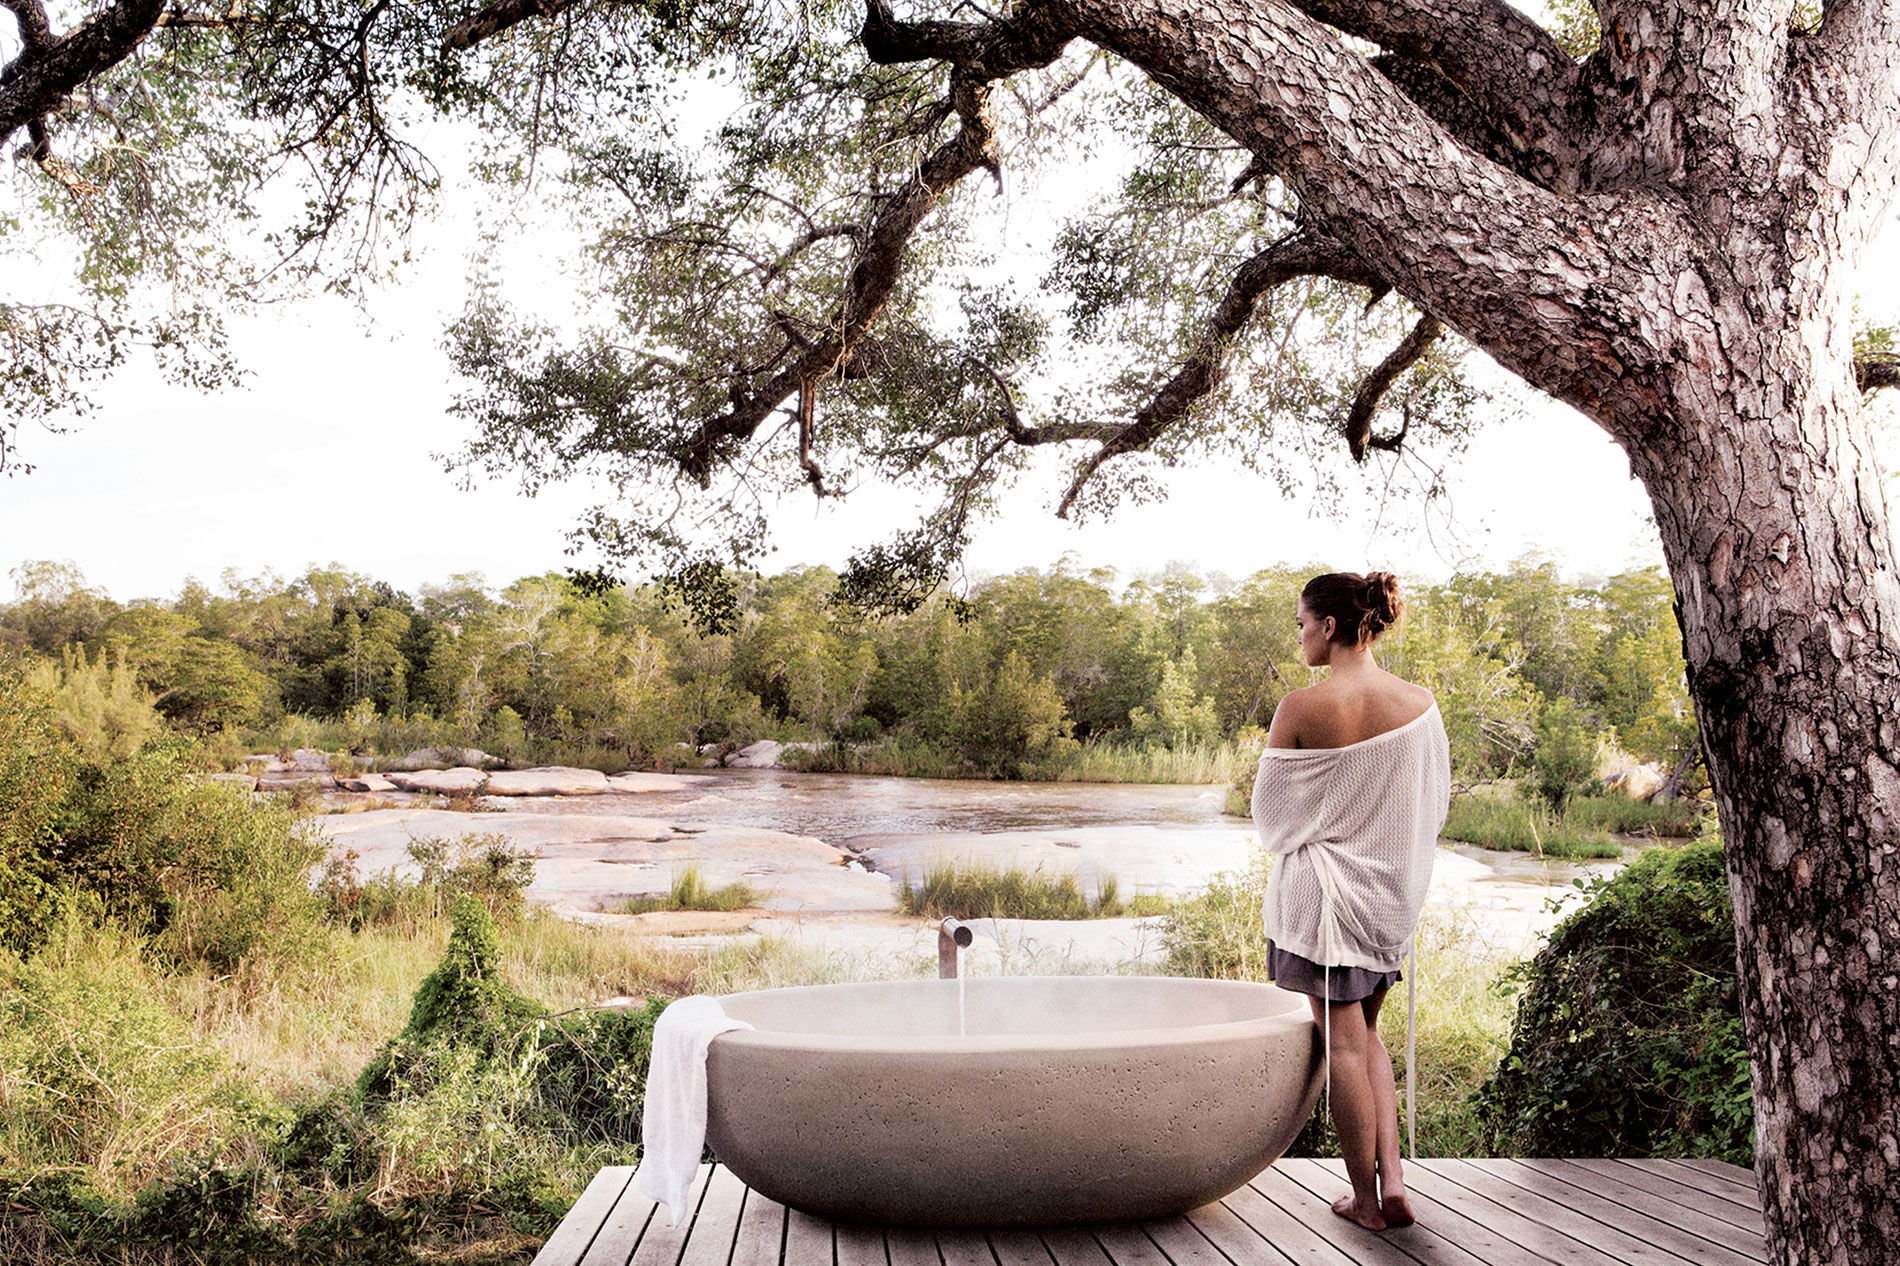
{"x":1152,"y":838}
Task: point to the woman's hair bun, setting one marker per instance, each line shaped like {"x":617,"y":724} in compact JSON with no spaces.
{"x":1383,"y":604}
{"x":1361,"y":607}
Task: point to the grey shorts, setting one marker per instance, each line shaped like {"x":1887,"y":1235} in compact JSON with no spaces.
{"x":1302,"y":975}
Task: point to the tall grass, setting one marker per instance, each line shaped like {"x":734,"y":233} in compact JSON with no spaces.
{"x":974,"y":890}
{"x":1519,"y":826}
{"x":1623,"y":816}
{"x":689,"y":891}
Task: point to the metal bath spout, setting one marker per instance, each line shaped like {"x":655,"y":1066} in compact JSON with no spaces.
{"x":951,"y":934}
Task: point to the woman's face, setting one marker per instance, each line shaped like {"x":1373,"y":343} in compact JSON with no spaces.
{"x":1316,"y":638}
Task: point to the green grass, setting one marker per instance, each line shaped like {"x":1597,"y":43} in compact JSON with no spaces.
{"x":1620,"y":815}
{"x":973,"y":890}
{"x":1516,"y":826}
{"x":690,"y":892}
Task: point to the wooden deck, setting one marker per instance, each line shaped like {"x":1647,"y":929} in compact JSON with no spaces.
{"x":1471,"y":1213}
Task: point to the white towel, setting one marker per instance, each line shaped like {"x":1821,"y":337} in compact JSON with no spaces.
{"x":673,"y":1119}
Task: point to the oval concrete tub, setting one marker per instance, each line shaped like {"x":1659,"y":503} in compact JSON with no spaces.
{"x":1065,"y":1100}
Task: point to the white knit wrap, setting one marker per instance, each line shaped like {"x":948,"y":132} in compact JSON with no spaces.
{"x":1355,"y":829}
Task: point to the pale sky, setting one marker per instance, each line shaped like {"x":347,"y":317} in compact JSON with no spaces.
{"x":325,"y":456}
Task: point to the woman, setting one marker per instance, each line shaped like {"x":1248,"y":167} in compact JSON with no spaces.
{"x":1351,"y":793}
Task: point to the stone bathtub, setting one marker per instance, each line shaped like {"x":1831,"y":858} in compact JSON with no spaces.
{"x":1065,"y":1100}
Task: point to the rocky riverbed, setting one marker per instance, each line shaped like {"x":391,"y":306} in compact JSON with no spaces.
{"x":825,"y":853}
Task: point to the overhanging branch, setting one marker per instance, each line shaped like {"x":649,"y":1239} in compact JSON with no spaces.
{"x":1304,"y":254}
{"x":1365,"y":404}
{"x":36,"y":82}
{"x":1874,"y":370}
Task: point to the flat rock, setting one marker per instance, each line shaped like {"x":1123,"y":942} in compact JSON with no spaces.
{"x":595,"y":861}
{"x":639,"y":783}
{"x":290,"y":780}
{"x":309,"y":760}
{"x":548,"y":780}
{"x":243,"y":782}
{"x":366,"y":782}
{"x":441,"y":782}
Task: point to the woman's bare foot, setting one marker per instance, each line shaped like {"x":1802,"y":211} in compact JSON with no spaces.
{"x":1397,"y":1210}
{"x":1365,"y":1213}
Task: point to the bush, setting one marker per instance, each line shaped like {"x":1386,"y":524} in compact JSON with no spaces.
{"x":1628,"y":1038}
{"x":99,"y":1079}
{"x":1217,"y":932}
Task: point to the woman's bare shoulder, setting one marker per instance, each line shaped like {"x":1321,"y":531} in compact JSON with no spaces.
{"x":1292,"y":715}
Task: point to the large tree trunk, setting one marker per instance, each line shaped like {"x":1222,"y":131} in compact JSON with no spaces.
{"x":1776,"y":532}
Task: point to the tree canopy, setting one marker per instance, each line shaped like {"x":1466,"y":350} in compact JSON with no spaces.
{"x":1653,"y":216}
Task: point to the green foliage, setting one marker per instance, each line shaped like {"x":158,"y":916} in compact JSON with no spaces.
{"x":973,"y":890}
{"x":463,"y":1006}
{"x":101,"y":705}
{"x":1521,"y":826}
{"x":37,"y":767}
{"x":99,"y":1079}
{"x":1624,"y":816}
{"x":1628,"y":1039}
{"x":1217,"y":932}
{"x":1565,"y":755}
{"x":690,"y":892}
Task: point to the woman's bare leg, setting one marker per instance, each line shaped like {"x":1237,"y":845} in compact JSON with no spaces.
{"x":1354,"y":1110}
{"x":1393,"y":1205}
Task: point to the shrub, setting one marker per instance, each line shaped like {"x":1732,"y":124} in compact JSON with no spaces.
{"x":462,"y":1005}
{"x":100,"y":1081}
{"x":1217,"y":932}
{"x":1628,"y":1039}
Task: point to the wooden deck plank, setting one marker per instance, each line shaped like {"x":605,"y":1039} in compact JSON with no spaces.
{"x":1737,"y":1174}
{"x":1233,"y":1237}
{"x":1445,"y":1221}
{"x":1478,"y":1212}
{"x":761,"y":1237}
{"x":1490,"y":1230}
{"x":1128,"y":1245}
{"x":1701,"y":1181}
{"x":859,"y":1245}
{"x":1656,"y":1205}
{"x":716,"y":1224}
{"x":1415,"y":1244}
{"x":808,"y":1240}
{"x":1299,"y":1244}
{"x":1018,"y":1248}
{"x":1566,"y":1219}
{"x":583,"y":1221}
{"x":1652,"y":1179}
{"x":663,"y":1241}
{"x":908,"y":1246}
{"x":1074,"y":1246}
{"x":964,"y":1248}
{"x":1671,"y":1237}
{"x":1183,"y":1243}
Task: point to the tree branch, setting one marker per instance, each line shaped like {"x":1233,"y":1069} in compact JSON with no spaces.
{"x":872,"y":278}
{"x":35,"y":83}
{"x":1366,"y":402}
{"x":1874,"y":370}
{"x":986,"y":51}
{"x":495,"y":18}
{"x":1306,"y":253}
{"x":1509,"y":71}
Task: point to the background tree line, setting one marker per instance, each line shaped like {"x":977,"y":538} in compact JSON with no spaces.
{"x":1025,"y":676}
